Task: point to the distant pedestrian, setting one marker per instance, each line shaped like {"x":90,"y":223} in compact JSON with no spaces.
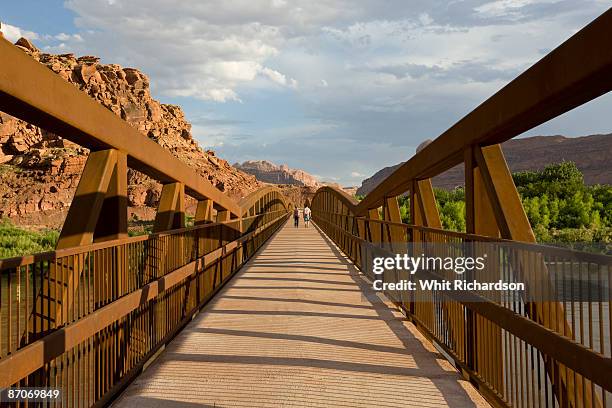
{"x":306,"y":216}
{"x":296,"y":217}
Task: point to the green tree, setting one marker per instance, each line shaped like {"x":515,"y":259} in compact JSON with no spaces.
{"x":452,"y":215}
{"x":559,"y":179}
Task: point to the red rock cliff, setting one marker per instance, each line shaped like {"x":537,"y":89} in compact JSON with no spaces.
{"x":39,"y":170}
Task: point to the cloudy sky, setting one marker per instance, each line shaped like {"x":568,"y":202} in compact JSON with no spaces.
{"x":339,"y":88}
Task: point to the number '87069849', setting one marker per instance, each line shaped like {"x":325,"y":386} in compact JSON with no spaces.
{"x":30,"y":394}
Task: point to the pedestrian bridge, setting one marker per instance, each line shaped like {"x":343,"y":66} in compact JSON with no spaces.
{"x":241,"y":309}
{"x":300,"y":326}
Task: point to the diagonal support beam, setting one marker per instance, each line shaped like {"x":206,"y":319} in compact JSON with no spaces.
{"x":504,"y":198}
{"x":391,"y":213}
{"x":112,"y":221}
{"x":374,"y":227}
{"x":88,"y":200}
{"x":223,"y":216}
{"x":427,"y":202}
{"x":423,"y":209}
{"x":171,"y":208}
{"x":203,"y":213}
{"x":480,"y":216}
{"x":98,"y":211}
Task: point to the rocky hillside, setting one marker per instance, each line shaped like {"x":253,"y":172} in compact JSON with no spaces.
{"x":271,"y":173}
{"x":590,"y":153}
{"x":39,"y":170}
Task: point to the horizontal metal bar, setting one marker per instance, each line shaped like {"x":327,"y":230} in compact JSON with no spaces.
{"x":569,"y":253}
{"x":18,"y":261}
{"x":137,"y":369}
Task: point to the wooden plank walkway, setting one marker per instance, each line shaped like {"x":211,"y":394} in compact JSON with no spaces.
{"x":298,"y":326}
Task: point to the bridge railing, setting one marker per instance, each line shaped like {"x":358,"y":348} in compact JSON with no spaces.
{"x":539,"y":349}
{"x":495,"y":340}
{"x":132,"y":295}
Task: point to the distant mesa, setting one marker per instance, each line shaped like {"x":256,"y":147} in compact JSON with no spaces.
{"x":269,"y":172}
{"x":590,"y":153}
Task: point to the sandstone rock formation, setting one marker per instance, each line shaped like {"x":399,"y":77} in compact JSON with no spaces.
{"x":271,"y":173}
{"x":590,"y":153}
{"x":39,"y":170}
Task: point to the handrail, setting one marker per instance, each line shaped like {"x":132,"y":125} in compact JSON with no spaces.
{"x":33,"y":356}
{"x":133,"y":295}
{"x":568,"y":351}
{"x":17,"y":261}
{"x":444,"y":317}
{"x":549,"y":249}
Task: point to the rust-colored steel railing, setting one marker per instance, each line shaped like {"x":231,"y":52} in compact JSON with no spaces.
{"x":544,"y":348}
{"x":507,"y":358}
{"x":132,"y":296}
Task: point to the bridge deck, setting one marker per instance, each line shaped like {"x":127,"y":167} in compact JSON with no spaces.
{"x":298,"y":326}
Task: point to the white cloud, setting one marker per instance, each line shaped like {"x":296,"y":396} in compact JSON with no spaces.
{"x":278,"y":78}
{"x":425,"y":19}
{"x":203,"y":92}
{"x":205,"y":50}
{"x":65,"y":37}
{"x":13,"y":33}
{"x":218,"y":50}
{"x":508,"y":8}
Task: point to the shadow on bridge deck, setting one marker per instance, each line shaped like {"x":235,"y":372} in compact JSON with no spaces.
{"x":299,"y":326}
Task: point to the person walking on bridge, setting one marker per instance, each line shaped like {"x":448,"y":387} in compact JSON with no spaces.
{"x":296,"y":217}
{"x":306,"y":216}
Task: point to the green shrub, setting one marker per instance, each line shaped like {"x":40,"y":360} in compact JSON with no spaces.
{"x":561,"y":179}
{"x":452,"y":215}
{"x":15,"y":241}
